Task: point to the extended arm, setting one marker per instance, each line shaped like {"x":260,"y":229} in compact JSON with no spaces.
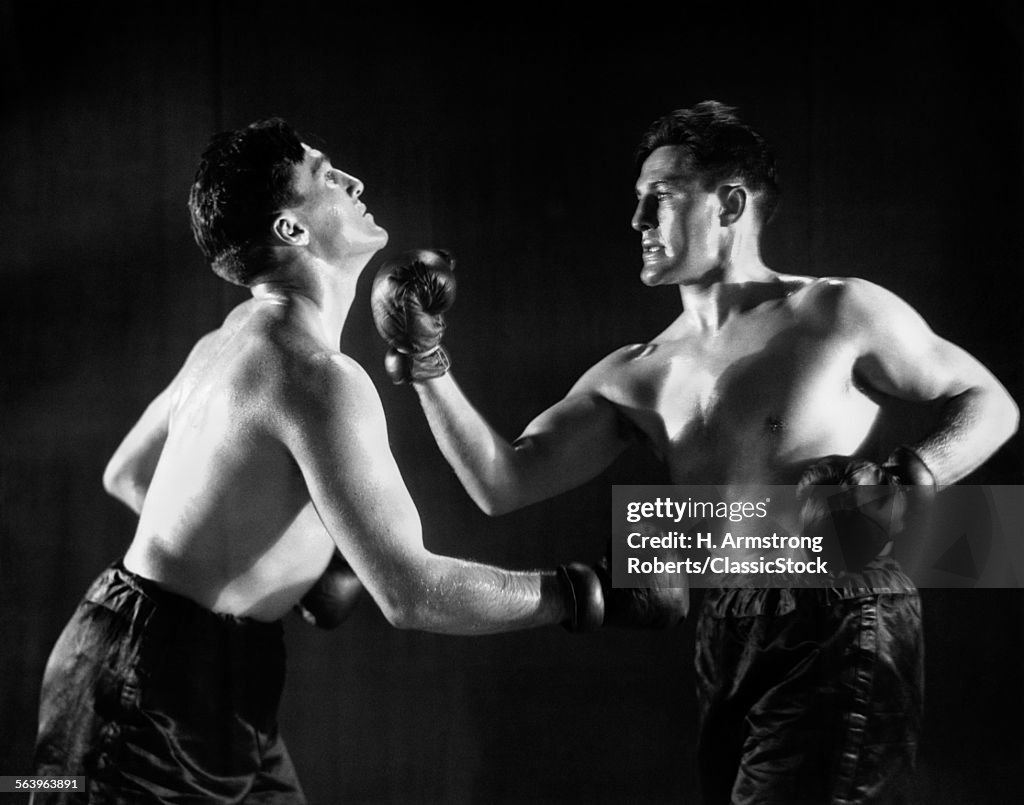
{"x":337,"y":433}
{"x":902,"y":357}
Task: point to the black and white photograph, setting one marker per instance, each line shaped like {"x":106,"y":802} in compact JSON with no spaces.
{"x":334,"y":337}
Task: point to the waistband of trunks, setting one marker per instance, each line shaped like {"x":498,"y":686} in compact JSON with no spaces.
{"x":118,"y":587}
{"x":881,"y":577}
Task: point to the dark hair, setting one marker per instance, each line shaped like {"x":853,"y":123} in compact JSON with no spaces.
{"x":718,"y":146}
{"x":244,"y":177}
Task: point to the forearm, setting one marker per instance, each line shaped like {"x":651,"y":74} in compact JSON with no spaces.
{"x":451,"y":596}
{"x":485,"y":462}
{"x":410,"y":294}
{"x":973,"y":425}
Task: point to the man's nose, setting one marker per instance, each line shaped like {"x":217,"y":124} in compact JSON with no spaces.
{"x":643,"y":217}
{"x":355,"y":187}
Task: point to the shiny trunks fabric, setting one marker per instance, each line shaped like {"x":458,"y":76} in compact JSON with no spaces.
{"x":155,"y":699}
{"x":811,"y":695}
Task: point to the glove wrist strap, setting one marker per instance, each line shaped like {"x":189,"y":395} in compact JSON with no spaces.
{"x":425,"y":365}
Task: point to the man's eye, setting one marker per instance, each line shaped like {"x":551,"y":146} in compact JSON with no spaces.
{"x":331,"y":178}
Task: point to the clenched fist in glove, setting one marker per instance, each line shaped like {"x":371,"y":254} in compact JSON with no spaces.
{"x":409,"y":297}
{"x":597,"y":603}
{"x":334,"y":596}
{"x":659,"y":606}
{"x":865,"y":505}
{"x":584,"y":598}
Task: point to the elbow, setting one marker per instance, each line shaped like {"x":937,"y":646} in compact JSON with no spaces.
{"x":418,"y":594}
{"x":114,"y":480}
{"x":119,"y":483}
{"x":396,"y":609}
{"x":1011,"y":416}
{"x":394,"y":615}
{"x":495,"y":507}
{"x":401,"y":618}
{"x":1003,"y":413}
{"x":506,"y":485}
{"x":407,"y":615}
{"x":498,"y":501}
{"x":990,"y":414}
{"x":402,"y":606}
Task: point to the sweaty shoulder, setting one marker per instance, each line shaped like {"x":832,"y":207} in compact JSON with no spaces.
{"x":323,"y":384}
{"x":282,"y":371}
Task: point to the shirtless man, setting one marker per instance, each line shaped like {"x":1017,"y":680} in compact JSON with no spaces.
{"x":264,"y":460}
{"x":764,"y":378}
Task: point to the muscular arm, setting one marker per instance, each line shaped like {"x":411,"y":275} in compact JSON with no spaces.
{"x":130,"y":469}
{"x":899,"y":355}
{"x":337,"y":434}
{"x":562,"y":448}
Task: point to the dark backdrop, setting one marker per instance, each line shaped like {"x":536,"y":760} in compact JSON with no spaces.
{"x":506,"y":137}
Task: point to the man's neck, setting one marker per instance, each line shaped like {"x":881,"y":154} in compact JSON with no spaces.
{"x":326,"y":290}
{"x":726,"y":290}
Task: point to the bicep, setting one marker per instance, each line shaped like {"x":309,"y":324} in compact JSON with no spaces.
{"x":339,"y":441}
{"x":572,"y":441}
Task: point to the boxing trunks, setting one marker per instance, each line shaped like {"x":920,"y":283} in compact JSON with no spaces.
{"x":811,"y":695}
{"x":154,"y":699}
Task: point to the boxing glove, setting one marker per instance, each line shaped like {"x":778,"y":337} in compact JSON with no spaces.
{"x":335,"y":594}
{"x":584,"y":598}
{"x":656,"y":607}
{"x":410,"y":294}
{"x":864,"y":504}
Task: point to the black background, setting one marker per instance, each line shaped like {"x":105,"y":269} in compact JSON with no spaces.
{"x":507,"y":136}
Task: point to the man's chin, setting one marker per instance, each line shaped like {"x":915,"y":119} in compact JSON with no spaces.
{"x":368,"y":247}
{"x":652,"y":276}
{"x":378,"y":241}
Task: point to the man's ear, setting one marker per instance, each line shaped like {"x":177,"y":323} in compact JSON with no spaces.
{"x":733,"y":198}
{"x":289,"y":231}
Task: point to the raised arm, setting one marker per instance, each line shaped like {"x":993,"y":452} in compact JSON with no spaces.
{"x":336,"y":431}
{"x":568,"y":444}
{"x":900,"y":356}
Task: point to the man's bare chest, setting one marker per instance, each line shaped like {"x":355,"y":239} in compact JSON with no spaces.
{"x":773,"y":388}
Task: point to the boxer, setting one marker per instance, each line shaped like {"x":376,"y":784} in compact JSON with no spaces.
{"x":263,"y":481}
{"x":806,"y":695}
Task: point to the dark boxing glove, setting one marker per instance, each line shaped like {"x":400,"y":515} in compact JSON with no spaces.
{"x":335,"y":594}
{"x":865,"y":505}
{"x":656,"y":607}
{"x":584,"y":598}
{"x":409,"y":297}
